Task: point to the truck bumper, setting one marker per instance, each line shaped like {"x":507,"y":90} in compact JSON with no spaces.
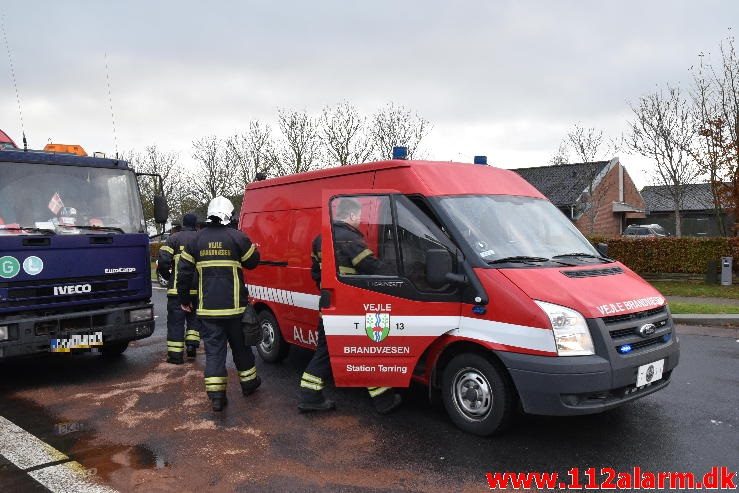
{"x":561,"y":386}
{"x":30,"y":333}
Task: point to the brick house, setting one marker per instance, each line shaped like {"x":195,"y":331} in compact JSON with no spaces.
{"x":599,"y":197}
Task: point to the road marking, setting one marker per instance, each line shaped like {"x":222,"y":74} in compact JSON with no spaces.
{"x":44,"y":463}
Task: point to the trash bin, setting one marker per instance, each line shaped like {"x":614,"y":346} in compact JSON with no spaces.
{"x":712,"y":272}
{"x":726,"y":270}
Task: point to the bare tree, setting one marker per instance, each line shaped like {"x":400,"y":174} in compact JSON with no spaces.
{"x":396,"y":125}
{"x":216,"y":174}
{"x":344,"y":135}
{"x":299,"y":149}
{"x":562,"y":156}
{"x":708,"y":149}
{"x":250,"y":152}
{"x":662,"y":130}
{"x":166,"y":165}
{"x":587,"y":145}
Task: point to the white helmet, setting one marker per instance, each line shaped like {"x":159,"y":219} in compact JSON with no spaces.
{"x":222,"y":208}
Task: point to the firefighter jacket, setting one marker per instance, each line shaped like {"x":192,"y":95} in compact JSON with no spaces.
{"x":315,"y":256}
{"x":169,"y":257}
{"x":352,"y":254}
{"x":217,"y":253}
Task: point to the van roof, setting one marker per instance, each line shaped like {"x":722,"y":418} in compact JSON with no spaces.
{"x":427,"y":177}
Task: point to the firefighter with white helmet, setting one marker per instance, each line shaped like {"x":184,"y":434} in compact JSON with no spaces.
{"x":218,"y":254}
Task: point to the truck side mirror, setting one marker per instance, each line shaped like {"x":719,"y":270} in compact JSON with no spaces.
{"x":602,"y":248}
{"x":161,"y":209}
{"x":438,"y":267}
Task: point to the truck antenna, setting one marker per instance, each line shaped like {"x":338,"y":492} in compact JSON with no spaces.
{"x":13,"y":79}
{"x":110,"y":101}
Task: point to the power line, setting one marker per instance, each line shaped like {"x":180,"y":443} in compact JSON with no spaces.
{"x":110,"y":101}
{"x":12,"y":75}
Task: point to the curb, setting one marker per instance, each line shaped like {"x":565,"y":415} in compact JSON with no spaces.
{"x":731,"y":320}
{"x":712,"y":330}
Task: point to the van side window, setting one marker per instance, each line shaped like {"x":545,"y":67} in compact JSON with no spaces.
{"x":362,"y":233}
{"x":414,"y":240}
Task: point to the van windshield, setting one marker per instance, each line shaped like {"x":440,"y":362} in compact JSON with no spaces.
{"x":499,"y":227}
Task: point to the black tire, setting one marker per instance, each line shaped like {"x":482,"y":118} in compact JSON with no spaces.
{"x":113,"y":349}
{"x":478,"y":395}
{"x":273,"y":347}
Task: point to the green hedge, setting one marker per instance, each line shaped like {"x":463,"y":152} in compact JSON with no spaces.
{"x":670,"y":255}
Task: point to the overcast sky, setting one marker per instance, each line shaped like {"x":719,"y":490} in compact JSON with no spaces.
{"x":502,"y":78}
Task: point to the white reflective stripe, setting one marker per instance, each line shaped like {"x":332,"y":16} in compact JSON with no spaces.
{"x":508,"y":334}
{"x":483,"y":330}
{"x":422,"y":325}
{"x":292,"y":298}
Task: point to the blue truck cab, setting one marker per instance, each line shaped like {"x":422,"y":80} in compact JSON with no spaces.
{"x":74,"y":254}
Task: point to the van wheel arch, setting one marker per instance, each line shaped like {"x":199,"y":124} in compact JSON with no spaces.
{"x":273,"y":348}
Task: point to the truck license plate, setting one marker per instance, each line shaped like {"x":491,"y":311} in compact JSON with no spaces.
{"x":76,"y":341}
{"x":651,"y":372}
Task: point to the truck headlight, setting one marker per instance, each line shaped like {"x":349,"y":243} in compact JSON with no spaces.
{"x":4,"y":332}
{"x":571,"y":333}
{"x":140,"y":315}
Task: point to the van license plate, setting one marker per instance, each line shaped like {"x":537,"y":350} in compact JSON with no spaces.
{"x":651,"y":372}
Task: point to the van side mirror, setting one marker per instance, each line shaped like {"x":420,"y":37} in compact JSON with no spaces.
{"x":161,"y":209}
{"x":602,"y":248}
{"x":438,"y":267}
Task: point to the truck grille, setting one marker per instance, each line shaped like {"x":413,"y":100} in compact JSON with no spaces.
{"x":624,"y":330}
{"x":42,"y":292}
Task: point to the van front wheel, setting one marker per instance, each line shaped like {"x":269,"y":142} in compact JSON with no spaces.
{"x":478,"y":396}
{"x":273,"y":347}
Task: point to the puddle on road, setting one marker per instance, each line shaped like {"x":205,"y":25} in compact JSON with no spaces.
{"x":79,"y":440}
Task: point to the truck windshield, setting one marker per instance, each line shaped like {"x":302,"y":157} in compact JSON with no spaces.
{"x":501,"y":227}
{"x":42,"y":198}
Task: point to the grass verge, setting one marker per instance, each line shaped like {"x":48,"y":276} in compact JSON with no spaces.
{"x":677,"y":307}
{"x":697,"y":289}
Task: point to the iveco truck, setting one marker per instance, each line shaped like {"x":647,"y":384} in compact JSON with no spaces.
{"x":74,"y":253}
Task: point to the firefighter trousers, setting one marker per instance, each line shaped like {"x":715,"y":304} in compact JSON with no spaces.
{"x":183,"y":328}
{"x":217,"y":335}
{"x":318,"y":371}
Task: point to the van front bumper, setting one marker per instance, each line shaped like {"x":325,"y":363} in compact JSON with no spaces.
{"x":562,"y":386}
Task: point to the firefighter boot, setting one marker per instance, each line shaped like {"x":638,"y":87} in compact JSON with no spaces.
{"x":192,"y":351}
{"x":218,"y":403}
{"x":314,"y":400}
{"x":386,"y":401}
{"x":250,"y":386}
{"x":175,"y":358}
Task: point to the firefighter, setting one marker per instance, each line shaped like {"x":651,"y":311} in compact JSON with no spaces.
{"x":353,"y":257}
{"x":183,"y":328}
{"x":218,"y":254}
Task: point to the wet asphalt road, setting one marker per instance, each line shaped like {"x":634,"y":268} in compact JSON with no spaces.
{"x":138,"y":424}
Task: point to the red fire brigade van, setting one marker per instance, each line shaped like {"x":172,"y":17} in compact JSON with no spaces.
{"x":488,"y":294}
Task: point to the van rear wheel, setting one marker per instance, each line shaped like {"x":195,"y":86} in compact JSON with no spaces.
{"x":478,"y":396}
{"x":273,"y":347}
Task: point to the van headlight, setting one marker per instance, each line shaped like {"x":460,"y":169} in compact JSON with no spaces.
{"x":571,"y":333}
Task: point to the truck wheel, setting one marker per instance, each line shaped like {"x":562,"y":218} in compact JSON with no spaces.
{"x":114,"y":349}
{"x":273,"y":347}
{"x":478,"y":396}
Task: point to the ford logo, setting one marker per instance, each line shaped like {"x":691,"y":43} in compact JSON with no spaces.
{"x":647,"y":330}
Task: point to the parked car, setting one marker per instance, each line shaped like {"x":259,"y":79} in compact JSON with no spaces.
{"x":645,"y":231}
